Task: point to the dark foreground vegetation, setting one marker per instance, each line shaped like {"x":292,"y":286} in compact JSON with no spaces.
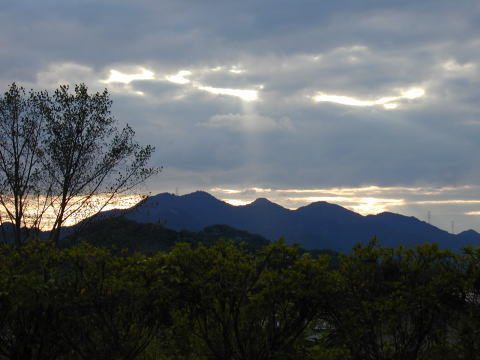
{"x":223,"y":301}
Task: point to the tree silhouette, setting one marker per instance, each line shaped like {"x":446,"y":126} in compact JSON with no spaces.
{"x":22,"y":118}
{"x":65,"y":149}
{"x":86,"y":155}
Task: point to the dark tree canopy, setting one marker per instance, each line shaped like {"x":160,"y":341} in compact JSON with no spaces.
{"x":221,"y":302}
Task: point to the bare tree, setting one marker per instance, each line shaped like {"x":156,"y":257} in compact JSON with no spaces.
{"x":86,"y":156}
{"x":21,"y":122}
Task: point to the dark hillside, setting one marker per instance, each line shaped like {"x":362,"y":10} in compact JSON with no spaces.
{"x":150,"y":238}
{"x":320,"y":225}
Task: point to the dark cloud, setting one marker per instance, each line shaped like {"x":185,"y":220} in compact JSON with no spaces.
{"x":288,"y":52}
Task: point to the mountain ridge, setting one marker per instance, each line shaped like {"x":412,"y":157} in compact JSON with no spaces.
{"x":316,"y":225}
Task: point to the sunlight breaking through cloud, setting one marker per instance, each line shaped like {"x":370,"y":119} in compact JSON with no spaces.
{"x":444,"y":202}
{"x":179,"y":78}
{"x":388,"y":103}
{"x":248,"y":122}
{"x":225,"y":191}
{"x":361,"y":205}
{"x":119,"y":77}
{"x":369,"y":205}
{"x":236,"y":70}
{"x":236,"y":202}
{"x":76,"y":212}
{"x":453,"y":66}
{"x":245,"y":95}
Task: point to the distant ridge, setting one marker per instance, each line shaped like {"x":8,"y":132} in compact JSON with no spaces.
{"x":317,"y":225}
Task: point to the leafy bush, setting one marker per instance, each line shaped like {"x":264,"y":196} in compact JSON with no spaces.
{"x":224,"y":302}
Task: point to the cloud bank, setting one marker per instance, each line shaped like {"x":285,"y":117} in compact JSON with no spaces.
{"x":271,"y":94}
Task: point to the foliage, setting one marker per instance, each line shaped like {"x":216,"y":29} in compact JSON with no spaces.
{"x":221,"y":301}
{"x":467,"y":327}
{"x":29,"y":313}
{"x":238,"y":306}
{"x":394,"y":303}
{"x":116,"y":305}
{"x":79,"y":303}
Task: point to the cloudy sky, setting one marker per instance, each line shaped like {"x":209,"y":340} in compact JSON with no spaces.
{"x":373,"y":105}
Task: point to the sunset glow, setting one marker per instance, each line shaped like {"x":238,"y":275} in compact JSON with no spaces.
{"x":119,"y":202}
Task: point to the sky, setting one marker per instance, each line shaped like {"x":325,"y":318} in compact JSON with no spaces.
{"x":373,"y":105}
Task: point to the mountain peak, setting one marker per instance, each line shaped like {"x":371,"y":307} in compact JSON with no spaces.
{"x":319,"y":204}
{"x":320,"y":224}
{"x":469,"y":236}
{"x":262,"y":201}
{"x":324,"y":207}
{"x":468,"y":232}
{"x":199,"y":195}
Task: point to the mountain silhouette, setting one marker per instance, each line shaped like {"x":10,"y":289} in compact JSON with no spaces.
{"x":319,"y":225}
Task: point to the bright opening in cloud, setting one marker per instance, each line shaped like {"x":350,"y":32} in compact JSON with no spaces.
{"x":180,"y":77}
{"x":343,"y":100}
{"x":387,"y":102}
{"x":236,"y":70}
{"x":225,"y":191}
{"x":413,"y":93}
{"x":444,"y":202}
{"x":119,"y":77}
{"x":453,"y":66}
{"x":369,"y":205}
{"x":76,"y":212}
{"x":361,"y":205}
{"x":252,"y":190}
{"x":390,"y":106}
{"x":245,"y":95}
{"x":236,"y":202}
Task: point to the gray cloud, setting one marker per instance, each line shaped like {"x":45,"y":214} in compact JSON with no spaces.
{"x":248,"y":122}
{"x":358,"y":51}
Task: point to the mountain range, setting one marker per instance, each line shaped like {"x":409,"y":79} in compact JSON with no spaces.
{"x":319,"y":225}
